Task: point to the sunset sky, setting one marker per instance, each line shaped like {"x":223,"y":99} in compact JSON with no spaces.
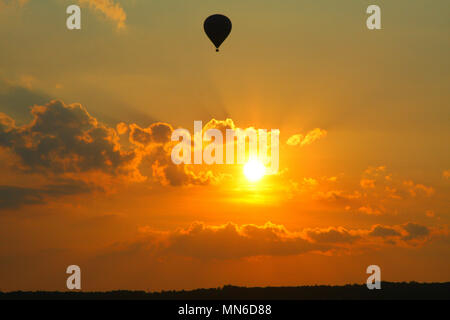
{"x":86,"y":117}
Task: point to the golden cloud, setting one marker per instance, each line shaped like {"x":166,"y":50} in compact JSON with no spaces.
{"x":221,"y":125}
{"x":111,"y":10}
{"x":303,"y":140}
{"x":367,"y":183}
{"x":370,"y":210}
{"x":416,"y":189}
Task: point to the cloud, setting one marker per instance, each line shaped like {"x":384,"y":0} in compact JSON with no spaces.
{"x":155,"y":145}
{"x":370,"y":210}
{"x":14,"y":197}
{"x":66,"y":141}
{"x":168,"y":173}
{"x":382,"y":190}
{"x":375,"y":171}
{"x":303,"y":140}
{"x":408,"y":232}
{"x":310,"y":182}
{"x":377,"y":178}
{"x":66,"y":138}
{"x":232,"y":241}
{"x":159,"y":133}
{"x":367,"y":183}
{"x":121,"y":128}
{"x":384,"y":231}
{"x":417,"y":189}
{"x":337,"y":195}
{"x":430,"y":213}
{"x":221,"y":125}
{"x":377,"y":192}
{"x":415,"y":231}
{"x":332,"y":235}
{"x":110,"y":9}
{"x":16,"y":100}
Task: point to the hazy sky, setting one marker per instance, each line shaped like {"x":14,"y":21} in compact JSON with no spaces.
{"x":85,"y":123}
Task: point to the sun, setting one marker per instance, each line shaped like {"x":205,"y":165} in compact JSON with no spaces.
{"x":254,"y":170}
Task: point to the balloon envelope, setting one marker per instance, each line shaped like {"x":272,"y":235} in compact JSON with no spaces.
{"x":217,"y":28}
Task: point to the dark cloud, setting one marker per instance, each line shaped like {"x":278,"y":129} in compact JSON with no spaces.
{"x":156,"y":133}
{"x":415,"y":231}
{"x":168,"y":173}
{"x":331,"y":235}
{"x":17,"y":101}
{"x":65,"y":138}
{"x":338,"y":196}
{"x":14,"y":197}
{"x":383,"y":231}
{"x":232,"y":242}
{"x":155,"y":142}
{"x":406,"y":232}
{"x":164,"y":170}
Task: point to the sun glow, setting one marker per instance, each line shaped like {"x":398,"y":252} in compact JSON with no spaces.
{"x":254,"y":170}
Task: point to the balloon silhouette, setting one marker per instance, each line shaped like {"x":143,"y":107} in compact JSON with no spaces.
{"x":217,"y":28}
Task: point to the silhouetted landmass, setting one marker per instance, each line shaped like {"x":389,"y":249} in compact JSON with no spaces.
{"x":389,"y":291}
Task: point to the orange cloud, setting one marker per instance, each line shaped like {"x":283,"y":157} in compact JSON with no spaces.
{"x":375,"y":171}
{"x":374,"y":194}
{"x":303,"y":140}
{"x":336,"y":195}
{"x":231,"y":241}
{"x":370,"y":210}
{"x":416,"y":189}
{"x":221,"y":125}
{"x":430,"y":213}
{"x":446,"y":174}
{"x":121,"y":128}
{"x":111,"y":10}
{"x":367,"y":183}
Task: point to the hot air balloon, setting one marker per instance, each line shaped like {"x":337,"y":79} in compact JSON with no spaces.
{"x":217,"y":28}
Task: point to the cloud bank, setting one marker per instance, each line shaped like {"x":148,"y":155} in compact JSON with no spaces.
{"x":307,"y":139}
{"x":232,"y":241}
